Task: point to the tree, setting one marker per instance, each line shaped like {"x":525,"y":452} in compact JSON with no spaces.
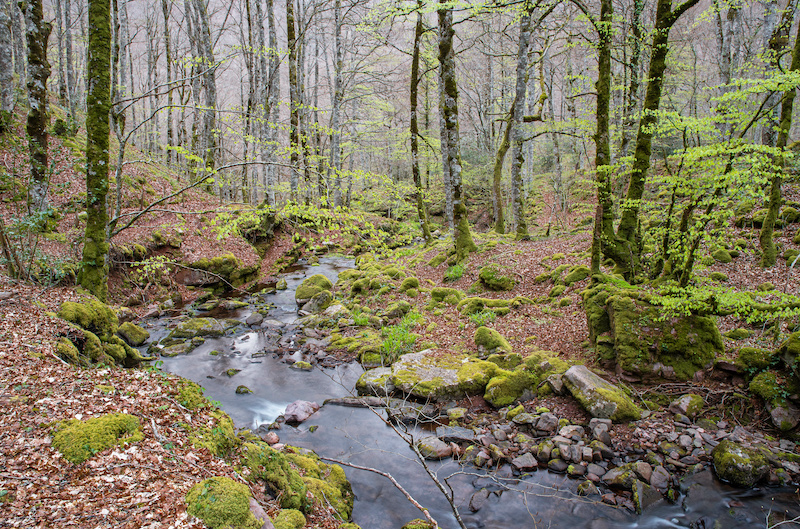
{"x":6,"y":67}
{"x":38,"y":32}
{"x":451,"y":151}
{"x":93,"y":275}
{"x":414,"y":93}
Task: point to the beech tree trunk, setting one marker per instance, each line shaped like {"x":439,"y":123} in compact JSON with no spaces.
{"x":38,"y":32}
{"x":335,"y":170}
{"x":515,"y":124}
{"x":6,"y":67}
{"x":166,"y":8}
{"x":418,"y":191}
{"x":451,"y":148}
{"x":294,"y":102}
{"x":93,"y":275}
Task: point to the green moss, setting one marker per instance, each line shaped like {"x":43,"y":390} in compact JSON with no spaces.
{"x":133,"y":334}
{"x":738,"y":465}
{"x":219,"y":438}
{"x":491,"y":341}
{"x":556,"y":291}
{"x":280,"y":477}
{"x":443,"y":294}
{"x":565,"y":302}
{"x":626,"y":409}
{"x":541,"y":278}
{"x":412,"y":292}
{"x":493,"y":279}
{"x":474,"y":305}
{"x":738,"y":334}
{"x":409,"y":283}
{"x":79,"y":440}
{"x":508,"y":386}
{"x":311,"y":286}
{"x":289,"y":519}
{"x":718,"y":276}
{"x":754,"y":359}
{"x":576,"y":273}
{"x":190,"y":395}
{"x":222,"y":504}
{"x":417,"y":523}
{"x":721,"y":255}
{"x":67,"y":351}
{"x":767,"y":386}
{"x":327,"y":484}
{"x":93,"y":315}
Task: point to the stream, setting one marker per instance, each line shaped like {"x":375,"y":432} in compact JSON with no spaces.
{"x":360,"y":436}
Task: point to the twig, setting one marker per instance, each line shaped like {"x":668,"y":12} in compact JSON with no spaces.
{"x":397,"y":485}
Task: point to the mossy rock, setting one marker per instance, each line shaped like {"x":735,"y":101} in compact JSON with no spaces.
{"x":133,"y":334}
{"x":281,"y":479}
{"x":738,"y":334}
{"x":525,"y":380}
{"x":718,"y":277}
{"x":418,"y":523}
{"x":767,"y":386}
{"x":556,"y":291}
{"x":576,"y":273}
{"x":796,"y":239}
{"x":451,"y":296}
{"x":599,"y":397}
{"x":409,"y":283}
{"x":737,"y":465}
{"x":490,"y":341}
{"x":190,"y":395}
{"x":194,"y":327}
{"x":765,"y":287}
{"x":493,"y":279}
{"x":428,"y":375}
{"x":289,"y":519}
{"x":789,"y":353}
{"x":474,"y":305}
{"x":222,"y":503}
{"x":220,"y":437}
{"x":790,"y":255}
{"x":721,"y":255}
{"x":359,"y":286}
{"x":754,"y":359}
{"x":789,"y":215}
{"x":67,"y":351}
{"x":79,"y":440}
{"x":311,"y":286}
{"x":326,"y":484}
{"x":398,"y":309}
{"x":92,"y":315}
{"x":393,"y":272}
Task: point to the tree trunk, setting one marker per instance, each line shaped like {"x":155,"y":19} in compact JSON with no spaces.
{"x":461,"y":234}
{"x":18,"y":32}
{"x":94,"y":266}
{"x":632,"y":95}
{"x":72,"y":83}
{"x":273,"y":95}
{"x":209,"y":144}
{"x":769,"y":253}
{"x":497,"y":176}
{"x":418,"y":191}
{"x":6,"y":67}
{"x":515,"y":124}
{"x":627,"y":254}
{"x":294,"y":102}
{"x":166,"y":8}
{"x":62,"y":84}
{"x":335,"y":170}
{"x":38,"y":32}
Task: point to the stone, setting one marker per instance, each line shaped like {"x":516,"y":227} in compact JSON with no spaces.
{"x":525,"y":462}
{"x":478,"y":500}
{"x":689,"y":405}
{"x":254,"y":319}
{"x":433,"y":448}
{"x":597,"y":470}
{"x":599,"y":397}
{"x":455,"y":434}
{"x":133,"y":334}
{"x":299,"y":410}
{"x":377,"y":382}
{"x":431,"y":376}
{"x":576,"y":471}
{"x":644,"y":496}
{"x":587,"y":488}
{"x":310,"y":287}
{"x":622,"y":477}
{"x":557,"y":465}
{"x":243,"y":390}
{"x":660,"y":478}
{"x":319,"y":302}
{"x":547,"y":422}
{"x":198,"y":327}
{"x":556,"y":384}
{"x":739,"y":466}
{"x":526,"y":418}
{"x":572,"y":430}
{"x":785,"y":415}
{"x":271,"y":438}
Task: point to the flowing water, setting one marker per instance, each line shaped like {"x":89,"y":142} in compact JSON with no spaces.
{"x":360,"y":436}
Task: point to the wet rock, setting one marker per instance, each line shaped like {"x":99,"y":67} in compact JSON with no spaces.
{"x":177,"y":349}
{"x":644,"y":496}
{"x":597,"y":470}
{"x":587,"y":488}
{"x":254,"y":319}
{"x":526,"y":419}
{"x":557,"y":465}
{"x":199,"y":327}
{"x":738,"y":465}
{"x":576,"y":471}
{"x":544,"y":450}
{"x":319,"y":302}
{"x":433,"y":448}
{"x":599,"y":397}
{"x":234,"y":304}
{"x":689,"y":405}
{"x":430,"y":376}
{"x":300,"y":410}
{"x":406,"y":412}
{"x":478,"y":500}
{"x":547,"y":422}
{"x":785,"y":416}
{"x":243,"y":390}
{"x":525,"y":462}
{"x":272,"y":324}
{"x":310,"y":287}
{"x":281,"y":285}
{"x":133,"y":334}
{"x":271,"y":438}
{"x":622,"y":477}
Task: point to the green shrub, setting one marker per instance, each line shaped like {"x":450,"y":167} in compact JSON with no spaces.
{"x":454,"y":273}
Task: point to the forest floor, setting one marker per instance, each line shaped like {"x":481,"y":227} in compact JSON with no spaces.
{"x":143,"y":485}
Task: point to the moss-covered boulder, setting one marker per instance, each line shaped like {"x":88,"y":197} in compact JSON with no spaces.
{"x":222,"y":504}
{"x":224,"y":270}
{"x":490,"y":341}
{"x":576,"y":273}
{"x":79,"y":440}
{"x":201,"y":327}
{"x":789,"y":353}
{"x":409,"y":283}
{"x":397,"y":309}
{"x":630,"y":335}
{"x":494,"y":279}
{"x":311,"y":286}
{"x":599,"y":397}
{"x":524,"y":379}
{"x":739,"y":466}
{"x":327,"y":485}
{"x":318,"y":302}
{"x":377,"y":381}
{"x":281,"y":479}
{"x":133,"y":334}
{"x":451,"y":296}
{"x":427,"y":374}
{"x":754,"y":359}
{"x":92,"y":315}
{"x":721,"y":255}
{"x":289,"y":519}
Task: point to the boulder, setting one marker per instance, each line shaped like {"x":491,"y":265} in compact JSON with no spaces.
{"x":689,"y":405}
{"x":455,"y":434}
{"x":784,"y":414}
{"x":310,"y":287}
{"x":433,"y":448}
{"x":525,"y":462}
{"x":599,"y":397}
{"x":318,"y":302}
{"x":198,"y":327}
{"x":375,"y":382}
{"x":644,"y":496}
{"x":133,"y":334}
{"x":299,"y":410}
{"x":739,"y":466}
{"x":429,"y":375}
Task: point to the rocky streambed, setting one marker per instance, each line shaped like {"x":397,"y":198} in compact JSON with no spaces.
{"x":519,"y":465}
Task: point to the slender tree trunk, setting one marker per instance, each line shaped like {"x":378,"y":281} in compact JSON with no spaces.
{"x":632,"y":95}
{"x":769,"y":253}
{"x":294,"y":102}
{"x":6,"y":67}
{"x":94,"y":266}
{"x":418,"y":191}
{"x":62,"y":84}
{"x":166,"y":8}
{"x":497,"y":176}
{"x":335,"y":171}
{"x":18,"y":32}
{"x":209,"y":143}
{"x":515,"y":123}
{"x":38,"y":32}
{"x":273,"y":95}
{"x":461,"y":234}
